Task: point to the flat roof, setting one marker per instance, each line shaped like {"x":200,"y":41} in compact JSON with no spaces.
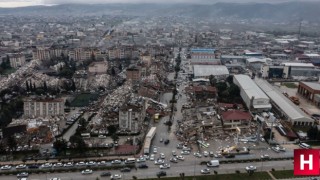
{"x":297,"y":64}
{"x":312,"y":85}
{"x":196,"y":50}
{"x":207,"y":70}
{"x":250,"y":87}
{"x":263,"y":60}
{"x":290,"y":109}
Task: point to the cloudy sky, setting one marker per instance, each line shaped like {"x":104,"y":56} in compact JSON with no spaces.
{"x":19,"y":3}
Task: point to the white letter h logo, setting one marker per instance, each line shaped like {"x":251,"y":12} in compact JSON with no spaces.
{"x":303,"y":162}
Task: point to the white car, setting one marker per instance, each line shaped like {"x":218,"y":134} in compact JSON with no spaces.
{"x":159,"y":161}
{"x":252,"y":168}
{"x":151,"y":157}
{"x":218,"y":155}
{"x":91,"y":163}
{"x":46,"y":165}
{"x":55,"y":178}
{"x":116,"y":176}
{"x":164,"y":166}
{"x":141,"y":159}
{"x":58,"y":165}
{"x":180,"y":158}
{"x":205,"y":171}
{"x":21,"y":166}
{"x":155,"y":150}
{"x":69,"y":164}
{"x":205,"y":153}
{"x":101,"y":163}
{"x":173,"y":159}
{"x":197,"y":154}
{"x":174,"y":153}
{"x":80,"y":164}
{"x":87,"y":171}
{"x":185,"y":152}
{"x":162,"y":156}
{"x":22,"y":174}
{"x":116,"y":162}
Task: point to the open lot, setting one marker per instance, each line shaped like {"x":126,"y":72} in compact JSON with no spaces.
{"x":84,"y":99}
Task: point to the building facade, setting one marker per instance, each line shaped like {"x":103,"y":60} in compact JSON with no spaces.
{"x":17,"y":60}
{"x":43,"y":107}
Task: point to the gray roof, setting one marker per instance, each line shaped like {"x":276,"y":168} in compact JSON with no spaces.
{"x":290,"y":109}
{"x":313,"y":85}
{"x":207,"y":70}
{"x":249,"y":87}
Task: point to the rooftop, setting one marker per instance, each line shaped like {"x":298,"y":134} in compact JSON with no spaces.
{"x":312,"y":85}
{"x":235,"y":115}
{"x":250,"y":87}
{"x":298,"y":64}
{"x":207,"y":70}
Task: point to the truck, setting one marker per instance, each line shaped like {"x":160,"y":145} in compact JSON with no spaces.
{"x":213,"y":163}
{"x":295,"y":100}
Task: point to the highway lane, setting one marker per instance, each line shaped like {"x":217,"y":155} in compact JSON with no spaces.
{"x":189,"y":168}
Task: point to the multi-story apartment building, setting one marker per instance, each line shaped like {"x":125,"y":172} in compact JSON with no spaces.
{"x":82,"y":54}
{"x":46,"y":53}
{"x":123,"y":52}
{"x":43,"y":107}
{"x":132,"y":114}
{"x":17,"y":59}
{"x":134,"y":73}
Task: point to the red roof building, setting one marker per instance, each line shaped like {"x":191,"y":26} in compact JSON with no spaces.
{"x":235,"y":118}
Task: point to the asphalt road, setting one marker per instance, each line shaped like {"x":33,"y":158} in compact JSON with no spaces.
{"x":185,"y":166}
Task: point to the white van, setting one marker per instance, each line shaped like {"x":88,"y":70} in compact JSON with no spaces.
{"x":130,"y":161}
{"x":213,"y":163}
{"x":305,"y":146}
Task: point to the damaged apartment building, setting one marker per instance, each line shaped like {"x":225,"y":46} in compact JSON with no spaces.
{"x":132,"y":114}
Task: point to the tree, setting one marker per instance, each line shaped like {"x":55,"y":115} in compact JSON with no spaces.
{"x":212,"y":80}
{"x":115,"y":137}
{"x":113,"y":71}
{"x":67,"y":103}
{"x":60,"y":146}
{"x":230,"y":79}
{"x":27,"y":86}
{"x":120,"y":67}
{"x":112,"y":129}
{"x":221,"y":86}
{"x":45,"y":88}
{"x":12,"y":143}
{"x":73,"y":86}
{"x":78,"y":143}
{"x":34,"y":86}
{"x":313,"y":133}
{"x":234,"y":90}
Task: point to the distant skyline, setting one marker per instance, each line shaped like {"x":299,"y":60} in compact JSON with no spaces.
{"x":23,"y":3}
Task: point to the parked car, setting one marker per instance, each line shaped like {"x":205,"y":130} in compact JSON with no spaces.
{"x":69,"y":164}
{"x":197,"y":154}
{"x":105,"y":174}
{"x":180,"y":158}
{"x":116,"y":162}
{"x":218,"y":155}
{"x":185,"y":152}
{"x":173,"y":159}
{"x":87,"y":171}
{"x":211,"y":154}
{"x":21,"y":166}
{"x":155,"y":150}
{"x":162,"y":156}
{"x":22,"y":174}
{"x":151,"y":157}
{"x":229,"y":156}
{"x":205,"y":153}
{"x":174,"y":153}
{"x":161,"y":173}
{"x":167,"y":141}
{"x":159,"y":161}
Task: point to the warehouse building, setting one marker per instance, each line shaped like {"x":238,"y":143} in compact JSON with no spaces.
{"x":204,"y":71}
{"x":252,"y":95}
{"x":284,"y":107}
{"x":311,"y":91}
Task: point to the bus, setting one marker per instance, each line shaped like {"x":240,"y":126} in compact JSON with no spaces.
{"x":305,"y":146}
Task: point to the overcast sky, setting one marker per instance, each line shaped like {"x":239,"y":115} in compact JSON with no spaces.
{"x":19,"y":3}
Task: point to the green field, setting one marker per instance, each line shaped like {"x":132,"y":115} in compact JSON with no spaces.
{"x":285,"y":174}
{"x":290,"y":85}
{"x":244,"y":176}
{"x":84,"y":99}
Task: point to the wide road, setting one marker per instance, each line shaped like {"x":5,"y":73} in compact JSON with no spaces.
{"x":188,"y":168}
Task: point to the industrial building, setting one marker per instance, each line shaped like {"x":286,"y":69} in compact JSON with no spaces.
{"x":252,"y":95}
{"x":283,"y":106}
{"x":289,"y":70}
{"x":204,"y":56}
{"x":204,"y":71}
{"x":311,"y":91}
